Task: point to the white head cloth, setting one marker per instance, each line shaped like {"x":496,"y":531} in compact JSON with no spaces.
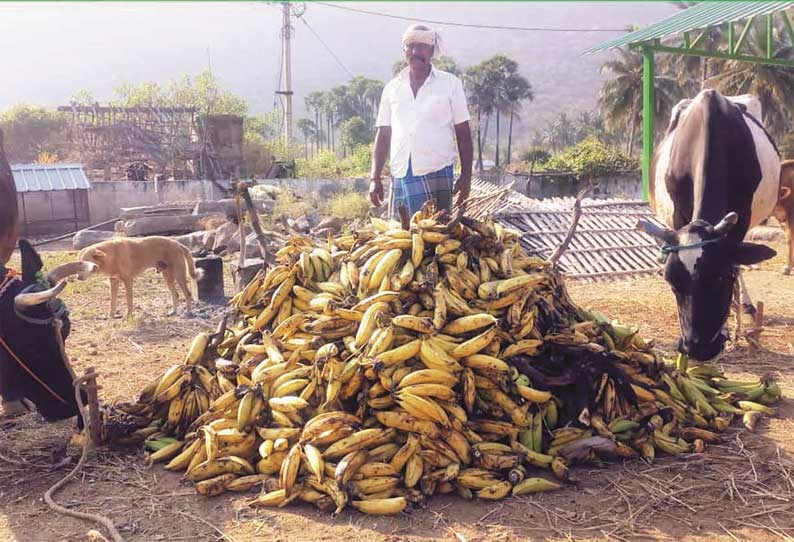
{"x":419,"y":34}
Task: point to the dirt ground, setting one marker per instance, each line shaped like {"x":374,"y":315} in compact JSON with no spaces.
{"x":741,"y":490}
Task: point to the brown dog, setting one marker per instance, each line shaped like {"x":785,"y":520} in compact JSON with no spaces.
{"x":784,"y":210}
{"x":124,"y":259}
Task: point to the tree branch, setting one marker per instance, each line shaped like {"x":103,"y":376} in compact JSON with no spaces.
{"x":254,"y":217}
{"x":577,"y":212}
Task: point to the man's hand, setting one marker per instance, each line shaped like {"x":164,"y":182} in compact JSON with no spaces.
{"x":462,"y":189}
{"x":376,"y":191}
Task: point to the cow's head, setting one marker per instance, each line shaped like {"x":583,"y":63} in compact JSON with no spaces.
{"x":702,"y":266}
{"x":30,"y":316}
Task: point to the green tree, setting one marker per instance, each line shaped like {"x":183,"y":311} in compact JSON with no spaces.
{"x":691,"y":72}
{"x":444,"y":63}
{"x":501,"y":68}
{"x":560,"y":132}
{"x":589,"y":158}
{"x":360,"y":98}
{"x":517,"y":89}
{"x":486,"y":87}
{"x":773,"y":85}
{"x":83,"y":97}
{"x":267,"y":126}
{"x":146,"y":93}
{"x":354,"y":132}
{"x":314,"y":102}
{"x":30,"y":130}
{"x":479,"y":84}
{"x":620,"y":98}
{"x":203,"y":92}
{"x":309,"y":131}
{"x":332,"y":101}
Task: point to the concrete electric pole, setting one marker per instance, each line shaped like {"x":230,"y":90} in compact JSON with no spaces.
{"x":286,"y":35}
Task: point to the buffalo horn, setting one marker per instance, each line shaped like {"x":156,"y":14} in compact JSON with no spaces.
{"x":82,"y":269}
{"x":32,"y":299}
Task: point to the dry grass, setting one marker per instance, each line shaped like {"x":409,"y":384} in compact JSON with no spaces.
{"x":741,"y":489}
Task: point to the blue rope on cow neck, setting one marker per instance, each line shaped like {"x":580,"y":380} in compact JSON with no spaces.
{"x":666,"y":249}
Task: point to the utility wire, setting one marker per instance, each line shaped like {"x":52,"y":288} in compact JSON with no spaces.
{"x":467,"y":25}
{"x":302,"y":18}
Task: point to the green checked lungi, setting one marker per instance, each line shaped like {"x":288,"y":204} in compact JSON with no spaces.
{"x":414,"y":190}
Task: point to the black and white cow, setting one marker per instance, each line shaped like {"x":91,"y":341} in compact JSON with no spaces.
{"x":715,"y":175}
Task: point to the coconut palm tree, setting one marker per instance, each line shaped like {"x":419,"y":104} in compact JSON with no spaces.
{"x":517,"y":89}
{"x":314,"y":102}
{"x":691,"y":72}
{"x":443,"y":63}
{"x":560,"y":132}
{"x":620,"y":98}
{"x":309,"y":131}
{"x":773,"y":85}
{"x":481,"y":98}
{"x":499,"y":68}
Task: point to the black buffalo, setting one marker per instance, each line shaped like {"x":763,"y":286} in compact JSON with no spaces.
{"x":32,"y":364}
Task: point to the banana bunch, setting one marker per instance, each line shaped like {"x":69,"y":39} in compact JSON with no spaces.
{"x":382,"y":367}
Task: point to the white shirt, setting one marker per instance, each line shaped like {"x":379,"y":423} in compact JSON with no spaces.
{"x":422,"y":128}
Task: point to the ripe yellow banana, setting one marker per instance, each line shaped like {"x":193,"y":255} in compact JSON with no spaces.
{"x":381,"y":507}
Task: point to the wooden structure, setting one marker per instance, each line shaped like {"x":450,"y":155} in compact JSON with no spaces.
{"x":94,"y":422}
{"x":171,"y":141}
{"x":52,"y":198}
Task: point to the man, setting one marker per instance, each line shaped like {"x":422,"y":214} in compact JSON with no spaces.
{"x":422,"y":114}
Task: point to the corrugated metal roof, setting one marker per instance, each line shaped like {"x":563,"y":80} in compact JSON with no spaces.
{"x":605,"y":246}
{"x":699,"y":16}
{"x":46,"y":177}
{"x":487,"y":198}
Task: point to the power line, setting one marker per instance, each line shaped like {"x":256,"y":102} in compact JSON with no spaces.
{"x":302,"y":18}
{"x":467,"y":25}
{"x":277,"y":97}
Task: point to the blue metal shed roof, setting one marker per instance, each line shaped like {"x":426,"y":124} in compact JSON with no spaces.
{"x":45,"y":177}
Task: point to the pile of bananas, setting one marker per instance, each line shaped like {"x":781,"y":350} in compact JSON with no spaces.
{"x":390,"y":365}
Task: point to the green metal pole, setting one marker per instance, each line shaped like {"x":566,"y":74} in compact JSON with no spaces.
{"x":731,"y":39}
{"x":648,"y":112}
{"x":769,"y":26}
{"x":787,"y":26}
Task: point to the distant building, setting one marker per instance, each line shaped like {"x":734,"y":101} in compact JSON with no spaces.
{"x":53,"y":198}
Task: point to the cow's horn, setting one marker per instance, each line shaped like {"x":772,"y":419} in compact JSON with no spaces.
{"x":32,"y":299}
{"x":726,"y":223}
{"x":81,"y":269}
{"x":656,"y":231}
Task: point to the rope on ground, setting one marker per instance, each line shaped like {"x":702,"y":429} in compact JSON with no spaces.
{"x":58,"y":509}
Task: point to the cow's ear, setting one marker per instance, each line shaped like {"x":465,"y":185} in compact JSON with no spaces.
{"x":31,"y":261}
{"x":751,"y":253}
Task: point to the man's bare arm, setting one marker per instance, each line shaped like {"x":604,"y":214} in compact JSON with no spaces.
{"x":379,"y":156}
{"x":466,"y":152}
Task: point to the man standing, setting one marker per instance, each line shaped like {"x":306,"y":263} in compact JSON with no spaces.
{"x":422,"y":114}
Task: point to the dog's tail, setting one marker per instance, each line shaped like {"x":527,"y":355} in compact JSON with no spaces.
{"x":195,"y":274}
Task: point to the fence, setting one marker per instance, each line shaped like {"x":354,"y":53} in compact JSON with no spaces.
{"x":541,"y":185}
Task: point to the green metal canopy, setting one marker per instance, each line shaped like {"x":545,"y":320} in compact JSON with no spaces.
{"x":674,"y":35}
